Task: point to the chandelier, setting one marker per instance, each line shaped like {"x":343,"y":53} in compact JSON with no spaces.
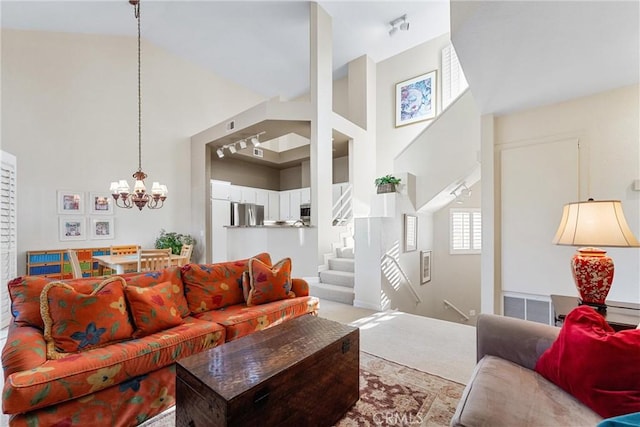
{"x":120,"y":190}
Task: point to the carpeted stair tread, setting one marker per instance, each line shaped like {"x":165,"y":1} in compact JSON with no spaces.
{"x":342,"y":264}
{"x":335,"y":277}
{"x":330,"y":292}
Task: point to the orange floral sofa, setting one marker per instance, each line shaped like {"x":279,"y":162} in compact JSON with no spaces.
{"x":119,"y":368}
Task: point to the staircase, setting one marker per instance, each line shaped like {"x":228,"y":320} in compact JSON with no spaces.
{"x":336,"y":276}
{"x":336,"y":282}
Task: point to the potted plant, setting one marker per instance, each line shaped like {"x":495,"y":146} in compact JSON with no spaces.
{"x":174,"y":241}
{"x":387,"y":184}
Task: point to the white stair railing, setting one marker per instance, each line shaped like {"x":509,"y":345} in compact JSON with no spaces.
{"x":342,"y":210}
{"x":387,"y":262}
{"x":448,"y":304}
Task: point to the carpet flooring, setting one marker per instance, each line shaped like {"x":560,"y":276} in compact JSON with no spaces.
{"x":390,"y":395}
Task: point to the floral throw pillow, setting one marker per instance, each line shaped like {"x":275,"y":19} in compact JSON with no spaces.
{"x":153,"y":309}
{"x":75,"y":322}
{"x":269,"y":283}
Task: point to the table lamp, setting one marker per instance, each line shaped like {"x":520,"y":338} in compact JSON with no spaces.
{"x":588,"y":224}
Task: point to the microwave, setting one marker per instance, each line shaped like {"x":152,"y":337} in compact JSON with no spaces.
{"x":305,"y":212}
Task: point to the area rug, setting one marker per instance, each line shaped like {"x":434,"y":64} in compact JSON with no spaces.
{"x":390,"y":395}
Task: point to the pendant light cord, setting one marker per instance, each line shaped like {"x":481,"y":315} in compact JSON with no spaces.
{"x":137,"y":15}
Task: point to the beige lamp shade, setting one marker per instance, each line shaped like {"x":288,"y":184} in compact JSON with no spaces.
{"x":594,"y":223}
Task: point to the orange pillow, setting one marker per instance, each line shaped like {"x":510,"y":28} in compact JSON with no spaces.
{"x":153,"y":309}
{"x":269,"y":283}
{"x":75,"y":322}
{"x":153,"y":278}
{"x":212,"y":286}
{"x":25,"y":296}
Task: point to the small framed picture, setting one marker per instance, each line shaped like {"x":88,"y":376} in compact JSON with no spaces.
{"x":70,"y":202}
{"x":425,"y":267}
{"x":100,"y":203}
{"x":102,"y":228}
{"x":72,"y":228}
{"x":410,"y":232}
{"x":416,"y":99}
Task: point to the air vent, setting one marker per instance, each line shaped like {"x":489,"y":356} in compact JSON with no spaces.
{"x":536,"y":308}
{"x":258,"y":152}
{"x":231,"y":125}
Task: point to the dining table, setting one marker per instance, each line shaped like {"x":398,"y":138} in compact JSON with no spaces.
{"x":128,"y":262}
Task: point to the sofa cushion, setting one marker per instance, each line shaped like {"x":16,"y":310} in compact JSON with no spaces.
{"x":595,"y":364}
{"x":83,"y":373}
{"x":213,"y":286}
{"x":153,"y":308}
{"x":25,"y":296}
{"x":74,"y":321}
{"x":269,"y":283}
{"x":240,"y":320}
{"x":129,"y":403}
{"x":502,"y":393}
{"x":153,"y":278}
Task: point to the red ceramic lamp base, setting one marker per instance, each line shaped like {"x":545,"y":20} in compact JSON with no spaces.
{"x":593,"y":273}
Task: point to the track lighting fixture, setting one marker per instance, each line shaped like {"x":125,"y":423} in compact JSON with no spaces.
{"x":233,"y":146}
{"x":461,"y":192}
{"x":399,"y":23}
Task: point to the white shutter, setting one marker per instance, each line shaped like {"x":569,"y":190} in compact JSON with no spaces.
{"x":466,"y":231}
{"x":453,"y":79}
{"x":8,"y":232}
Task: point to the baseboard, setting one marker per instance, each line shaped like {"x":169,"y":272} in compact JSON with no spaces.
{"x":362,"y":304}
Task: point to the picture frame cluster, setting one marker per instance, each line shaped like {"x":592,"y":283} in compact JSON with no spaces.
{"x":73,"y":224}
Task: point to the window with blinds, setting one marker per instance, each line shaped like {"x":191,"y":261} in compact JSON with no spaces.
{"x":466,"y":231}
{"x":8,"y":231}
{"x":453,"y":79}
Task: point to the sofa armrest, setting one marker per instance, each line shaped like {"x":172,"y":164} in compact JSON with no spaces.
{"x":300,"y":287}
{"x":24,"y":349}
{"x":519,"y":341}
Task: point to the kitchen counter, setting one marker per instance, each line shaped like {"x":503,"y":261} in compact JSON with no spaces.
{"x":280,"y":241}
{"x":260,"y":227}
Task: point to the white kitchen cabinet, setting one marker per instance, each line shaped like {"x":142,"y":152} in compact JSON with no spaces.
{"x":262,"y":198}
{"x":235,"y":193}
{"x":305,"y":195}
{"x":220,"y":190}
{"x":294,"y":204}
{"x":249,"y":195}
{"x":273,"y":214}
{"x":284,"y":205}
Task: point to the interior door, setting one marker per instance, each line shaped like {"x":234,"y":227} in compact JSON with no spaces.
{"x":537,"y":180}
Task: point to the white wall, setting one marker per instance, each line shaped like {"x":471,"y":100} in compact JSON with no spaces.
{"x":70,"y":116}
{"x":608,"y":128}
{"x":411,"y":63}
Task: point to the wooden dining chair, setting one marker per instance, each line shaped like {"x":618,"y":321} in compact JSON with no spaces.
{"x":153,"y":259}
{"x":75,"y":264}
{"x":124,"y":250}
{"x":186,"y":253}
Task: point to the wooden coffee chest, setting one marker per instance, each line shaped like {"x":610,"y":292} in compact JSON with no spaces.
{"x":304,"y":372}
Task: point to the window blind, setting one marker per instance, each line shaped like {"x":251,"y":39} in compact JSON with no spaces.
{"x":8,"y":232}
{"x":453,"y":79}
{"x":466,"y":231}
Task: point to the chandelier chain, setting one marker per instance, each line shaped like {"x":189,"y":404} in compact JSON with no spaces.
{"x":137,"y":14}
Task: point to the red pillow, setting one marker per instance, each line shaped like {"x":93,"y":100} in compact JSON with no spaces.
{"x":592,"y":362}
{"x":269,"y":283}
{"x":153,"y":309}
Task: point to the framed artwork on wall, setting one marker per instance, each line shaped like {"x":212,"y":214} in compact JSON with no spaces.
{"x":102,"y":228}
{"x":72,"y":228}
{"x":100,"y":203}
{"x":70,"y":202}
{"x":425,"y":267}
{"x":410,"y":232}
{"x":416,"y":99}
